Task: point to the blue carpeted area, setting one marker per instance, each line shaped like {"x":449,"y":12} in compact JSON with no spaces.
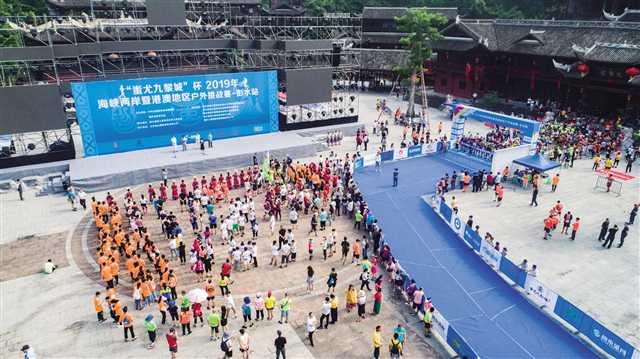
{"x":494,"y":319}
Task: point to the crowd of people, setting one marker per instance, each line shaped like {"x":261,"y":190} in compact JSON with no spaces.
{"x":224,"y":229}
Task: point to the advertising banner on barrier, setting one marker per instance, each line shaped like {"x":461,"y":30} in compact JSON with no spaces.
{"x":386,"y":156}
{"x":399,"y":153}
{"x":445,"y":211}
{"x":606,"y":339}
{"x":369,"y":159}
{"x":439,"y":324}
{"x":430,"y":147}
{"x":540,"y":294}
{"x":138,"y":113}
{"x":415,"y":150}
{"x":457,"y":225}
{"x":515,"y":273}
{"x":457,"y":343}
{"x":490,"y":254}
{"x":598,"y":334}
{"x":473,"y":238}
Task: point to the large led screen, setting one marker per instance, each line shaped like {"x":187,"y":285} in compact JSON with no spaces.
{"x":133,"y":114}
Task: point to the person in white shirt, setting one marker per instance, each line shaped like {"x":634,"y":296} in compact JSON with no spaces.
{"x":533,"y":271}
{"x":326,"y":313}
{"x":293,"y":218}
{"x":246,"y":259}
{"x":197,"y":138}
{"x":254,"y":254}
{"x":272,"y":223}
{"x":173,"y":248}
{"x":285,"y":251}
{"x":174,"y":144}
{"x":243,"y":343}
{"x":311,"y":327}
{"x":184,"y":142}
{"x":49,"y":267}
{"x":274,"y":254}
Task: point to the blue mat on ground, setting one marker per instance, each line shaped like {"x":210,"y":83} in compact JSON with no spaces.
{"x":494,"y":319}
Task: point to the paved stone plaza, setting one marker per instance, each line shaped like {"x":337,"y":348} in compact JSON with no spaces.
{"x":603,"y":282}
{"x":58,"y":307}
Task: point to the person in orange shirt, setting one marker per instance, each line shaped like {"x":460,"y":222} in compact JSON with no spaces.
{"x":102,"y":259}
{"x":466,"y":179}
{"x":173,"y":282}
{"x":554,"y":182}
{"x":185,"y":321}
{"x":210,"y":288}
{"x":548,"y":225}
{"x":558,"y":208}
{"x":499,"y":194}
{"x":114,"y":267}
{"x":105,"y":272}
{"x":98,"y":307}
{"x":145,"y":291}
{"x":163,"y":306}
{"x":356,"y":252}
{"x":116,"y":308}
{"x":505,"y":172}
{"x":574,"y":228}
{"x":127,"y":322}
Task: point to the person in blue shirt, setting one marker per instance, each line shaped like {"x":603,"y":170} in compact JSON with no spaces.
{"x":395,"y":177}
{"x":402,"y":333}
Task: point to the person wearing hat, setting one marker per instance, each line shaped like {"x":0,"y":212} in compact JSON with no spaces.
{"x":225,"y":345}
{"x":152,"y":329}
{"x":28,"y":352}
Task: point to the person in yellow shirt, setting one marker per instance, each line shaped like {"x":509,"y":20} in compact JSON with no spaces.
{"x":334,"y":309}
{"x":269,"y":304}
{"x":596,"y":162}
{"x":608,"y":164}
{"x":99,"y":308}
{"x":377,"y":341}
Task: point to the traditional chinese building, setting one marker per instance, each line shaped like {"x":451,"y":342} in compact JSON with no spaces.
{"x":593,"y":63}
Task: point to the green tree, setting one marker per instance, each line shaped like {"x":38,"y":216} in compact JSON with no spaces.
{"x":421,"y":28}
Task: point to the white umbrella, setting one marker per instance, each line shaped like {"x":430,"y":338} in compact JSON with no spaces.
{"x":197,"y":295}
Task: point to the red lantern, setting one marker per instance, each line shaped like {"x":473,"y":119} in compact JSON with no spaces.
{"x":582,"y":68}
{"x":632,"y":71}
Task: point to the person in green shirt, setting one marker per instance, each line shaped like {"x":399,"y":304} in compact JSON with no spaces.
{"x":285,"y":307}
{"x":428,"y":317}
{"x":152,"y":329}
{"x":185,"y":303}
{"x":358,"y":220}
{"x":214,"y":322}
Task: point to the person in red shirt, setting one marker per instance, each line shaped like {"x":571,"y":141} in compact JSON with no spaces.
{"x":172,"y":341}
{"x":226,"y":269}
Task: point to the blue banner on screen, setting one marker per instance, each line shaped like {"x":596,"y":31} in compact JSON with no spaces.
{"x":473,"y":238}
{"x":126,"y":115}
{"x":514,"y":272}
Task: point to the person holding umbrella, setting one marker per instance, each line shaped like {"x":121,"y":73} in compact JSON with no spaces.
{"x":197,"y":296}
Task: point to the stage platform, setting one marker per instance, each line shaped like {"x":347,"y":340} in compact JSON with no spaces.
{"x":106,"y":172}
